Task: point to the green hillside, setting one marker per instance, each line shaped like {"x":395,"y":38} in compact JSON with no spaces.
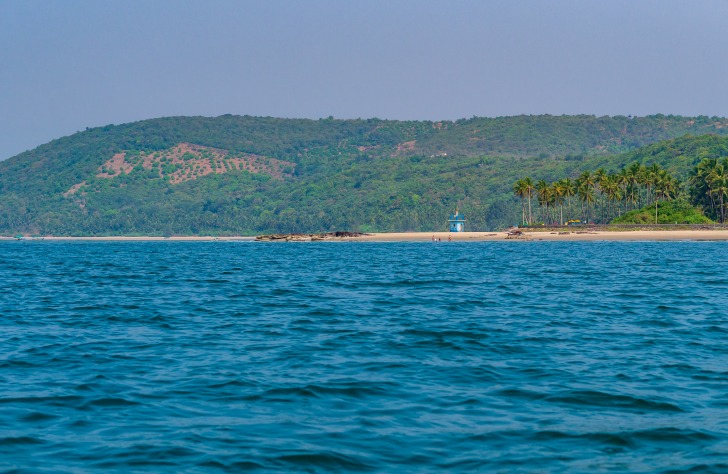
{"x":248,"y":175}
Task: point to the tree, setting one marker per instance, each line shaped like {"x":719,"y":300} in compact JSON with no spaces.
{"x":520,"y":189}
{"x":559,"y":193}
{"x":569,"y":190}
{"x":652,"y":175}
{"x":665,"y":188}
{"x":611,"y":189}
{"x":530,"y":187}
{"x":585,"y":190}
{"x":543,"y":192}
{"x":701,"y":184}
{"x":718,"y":181}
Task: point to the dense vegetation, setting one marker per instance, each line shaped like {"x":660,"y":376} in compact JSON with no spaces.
{"x":709,"y":186}
{"x":323,"y":175}
{"x":637,"y":190}
{"x":677,"y":211}
{"x":597,"y":197}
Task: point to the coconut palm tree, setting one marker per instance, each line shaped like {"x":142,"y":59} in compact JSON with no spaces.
{"x":652,"y":175}
{"x":530,"y":187}
{"x":521,"y":190}
{"x":643,"y":178}
{"x":718,"y":180}
{"x":585,"y":190}
{"x":600,"y":174}
{"x":630,"y":195}
{"x":558,"y":191}
{"x":543,"y":192}
{"x":629,"y":177}
{"x":602,"y":179}
{"x":665,"y":187}
{"x":569,"y":191}
{"x":611,"y":189}
{"x":623,"y":181}
{"x":701,"y":186}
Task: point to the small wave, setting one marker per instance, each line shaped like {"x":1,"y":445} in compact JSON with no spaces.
{"x":110,"y":402}
{"x":322,"y":391}
{"x":702,"y":468}
{"x":37,"y":416}
{"x":607,"y":400}
{"x":715,"y":282}
{"x":323,"y":460}
{"x":519,"y":393}
{"x":20,"y":440}
{"x":673,"y":435}
{"x":147,"y":455}
{"x":238,"y":466}
{"x":61,"y":401}
{"x":614,"y":439}
{"x":14,"y":363}
{"x":93,"y":307}
{"x":718,"y":329}
{"x":232,"y":383}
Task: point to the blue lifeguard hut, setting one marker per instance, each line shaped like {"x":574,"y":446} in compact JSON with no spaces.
{"x":457,"y":222}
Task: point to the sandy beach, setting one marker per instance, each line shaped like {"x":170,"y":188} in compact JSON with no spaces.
{"x":637,"y":235}
{"x":137,"y":239}
{"x":577,"y":236}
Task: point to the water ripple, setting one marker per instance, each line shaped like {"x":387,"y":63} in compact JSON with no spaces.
{"x":491,"y":357}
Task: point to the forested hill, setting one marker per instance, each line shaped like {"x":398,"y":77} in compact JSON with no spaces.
{"x":247,"y":175}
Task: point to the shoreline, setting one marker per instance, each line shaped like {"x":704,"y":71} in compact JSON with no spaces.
{"x":116,"y":238}
{"x":534,"y":236}
{"x":527,"y":236}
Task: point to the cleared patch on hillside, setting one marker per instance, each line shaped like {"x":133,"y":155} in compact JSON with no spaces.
{"x":185,"y":162}
{"x":74,"y":189}
{"x":406,"y":147}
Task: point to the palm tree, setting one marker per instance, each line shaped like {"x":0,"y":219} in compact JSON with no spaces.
{"x":586,"y":194}
{"x":701,"y":184}
{"x":585,"y":189}
{"x":520,"y":190}
{"x":630,"y":195}
{"x":653,"y":173}
{"x":600,"y":174}
{"x":665,"y":188}
{"x":633,"y":178}
{"x":543,"y":191}
{"x":602,"y":178}
{"x":569,"y":190}
{"x":530,"y":187}
{"x":643,"y":180}
{"x":718,"y":180}
{"x":623,"y":181}
{"x":610,"y":187}
{"x":559,"y":191}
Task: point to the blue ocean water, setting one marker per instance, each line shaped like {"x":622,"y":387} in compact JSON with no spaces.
{"x":381,"y":357}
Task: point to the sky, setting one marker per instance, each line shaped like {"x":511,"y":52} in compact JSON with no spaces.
{"x":67,"y":65}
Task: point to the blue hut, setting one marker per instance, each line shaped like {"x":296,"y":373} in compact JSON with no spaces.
{"x":457,"y":222}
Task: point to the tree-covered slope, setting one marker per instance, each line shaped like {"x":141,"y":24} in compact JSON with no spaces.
{"x":231,"y":174}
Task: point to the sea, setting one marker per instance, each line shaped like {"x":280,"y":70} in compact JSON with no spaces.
{"x":314,"y":357}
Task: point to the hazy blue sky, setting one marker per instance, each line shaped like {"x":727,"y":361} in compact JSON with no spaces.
{"x":67,"y":65}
